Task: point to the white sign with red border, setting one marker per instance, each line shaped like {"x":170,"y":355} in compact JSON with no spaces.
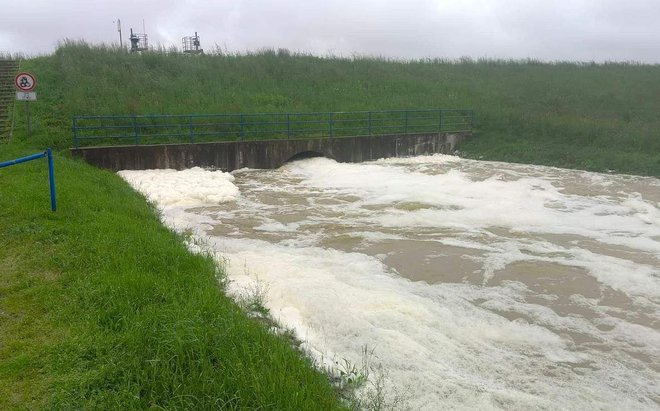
{"x":25,"y":82}
{"x":26,"y":95}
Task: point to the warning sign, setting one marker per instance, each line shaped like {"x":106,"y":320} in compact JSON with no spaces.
{"x":25,"y":82}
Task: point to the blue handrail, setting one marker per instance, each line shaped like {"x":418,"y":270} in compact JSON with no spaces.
{"x":190,"y":128}
{"x":51,"y":171}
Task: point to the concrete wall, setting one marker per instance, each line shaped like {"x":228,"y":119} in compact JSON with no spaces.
{"x":229,"y":156}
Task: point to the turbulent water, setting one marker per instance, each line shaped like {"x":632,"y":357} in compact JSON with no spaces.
{"x":475,"y":285}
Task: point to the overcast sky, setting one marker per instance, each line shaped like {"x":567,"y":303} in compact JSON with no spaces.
{"x":582,"y":30}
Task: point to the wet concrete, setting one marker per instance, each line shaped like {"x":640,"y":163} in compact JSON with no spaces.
{"x":232,"y":155}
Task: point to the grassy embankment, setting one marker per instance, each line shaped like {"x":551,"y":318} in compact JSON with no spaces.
{"x":101,"y":307}
{"x":593,"y":117}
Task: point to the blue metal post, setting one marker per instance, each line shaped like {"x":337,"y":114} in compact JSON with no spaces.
{"x":370,"y":123}
{"x":21,"y":160}
{"x":242,"y":128}
{"x":405,"y":129}
{"x":51,"y":179}
{"x":135,"y":130}
{"x":51,"y":171}
{"x":288,"y":126}
{"x":75,"y":132}
{"x":331,"y":122}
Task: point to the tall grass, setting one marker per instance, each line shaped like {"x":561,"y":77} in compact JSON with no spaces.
{"x":581,"y":115}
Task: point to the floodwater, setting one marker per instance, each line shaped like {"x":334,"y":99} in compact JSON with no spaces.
{"x":473,"y":285}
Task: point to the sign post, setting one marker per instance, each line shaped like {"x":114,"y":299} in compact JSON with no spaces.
{"x":25,"y":83}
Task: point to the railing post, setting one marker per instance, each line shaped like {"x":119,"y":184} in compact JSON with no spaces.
{"x":288,"y":126}
{"x":331,"y":123}
{"x":135,"y":131}
{"x":405,"y":128}
{"x":51,"y":171}
{"x":242,"y":127}
{"x":51,"y":179}
{"x":75,"y":132}
{"x":370,"y":123}
{"x":384,"y":122}
{"x":192,"y":131}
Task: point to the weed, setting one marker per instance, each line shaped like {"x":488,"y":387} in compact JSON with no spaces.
{"x":254,"y":298}
{"x":363,"y":386}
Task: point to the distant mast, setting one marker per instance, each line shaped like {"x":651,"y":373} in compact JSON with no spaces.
{"x":121,"y":42}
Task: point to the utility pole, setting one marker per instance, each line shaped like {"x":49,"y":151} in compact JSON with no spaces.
{"x":121,"y":43}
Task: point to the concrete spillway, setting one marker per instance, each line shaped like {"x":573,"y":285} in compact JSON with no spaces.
{"x":232,"y":155}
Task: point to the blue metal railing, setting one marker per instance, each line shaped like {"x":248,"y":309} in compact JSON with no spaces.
{"x":192,"y":128}
{"x":51,"y":171}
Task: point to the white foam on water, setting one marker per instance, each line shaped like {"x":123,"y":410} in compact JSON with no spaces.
{"x":526,"y":205}
{"x":191,"y":187}
{"x":446,"y":345}
{"x":435,"y":340}
{"x":275,"y":226}
{"x":441,"y":344}
{"x":177,"y":191}
{"x":374,"y":237}
{"x":434,"y":159}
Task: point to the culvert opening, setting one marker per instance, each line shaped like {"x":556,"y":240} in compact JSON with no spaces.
{"x":305,"y":155}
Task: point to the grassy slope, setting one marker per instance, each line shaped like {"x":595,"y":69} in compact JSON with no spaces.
{"x":101,"y":307}
{"x":595,"y":117}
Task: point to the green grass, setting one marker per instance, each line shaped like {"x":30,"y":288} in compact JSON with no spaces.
{"x":590,"y":116}
{"x":101,"y":307}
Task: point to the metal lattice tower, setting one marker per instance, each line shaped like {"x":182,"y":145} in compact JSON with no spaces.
{"x":139,"y":42}
{"x":191,"y":44}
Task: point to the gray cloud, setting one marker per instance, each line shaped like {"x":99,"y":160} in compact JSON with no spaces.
{"x":585,"y":30}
